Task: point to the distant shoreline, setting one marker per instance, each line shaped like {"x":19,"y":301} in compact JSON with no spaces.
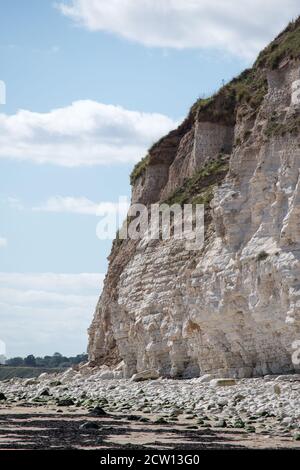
{"x":9,"y":372}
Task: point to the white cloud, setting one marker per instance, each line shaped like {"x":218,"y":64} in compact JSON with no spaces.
{"x":3,"y":242}
{"x":239,"y":27}
{"x":42,"y":299}
{"x":53,"y":282}
{"x":14,"y":203}
{"x":44,"y":312}
{"x":84,"y":133}
{"x":82,"y":205}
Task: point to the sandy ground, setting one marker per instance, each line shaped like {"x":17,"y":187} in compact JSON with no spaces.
{"x":49,"y":427}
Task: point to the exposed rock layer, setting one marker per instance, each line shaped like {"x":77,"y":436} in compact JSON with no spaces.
{"x":233,"y":308}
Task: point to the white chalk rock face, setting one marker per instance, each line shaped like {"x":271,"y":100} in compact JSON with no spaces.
{"x":296,"y":92}
{"x":233,"y":308}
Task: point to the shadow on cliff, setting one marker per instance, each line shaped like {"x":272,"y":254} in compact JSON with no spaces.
{"x":50,"y":431}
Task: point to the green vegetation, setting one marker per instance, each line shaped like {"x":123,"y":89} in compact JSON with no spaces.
{"x":262,"y":256}
{"x":117,"y":242}
{"x":249,"y":87}
{"x":278,"y":127}
{"x":244,"y":93}
{"x":57,"y":360}
{"x":200,"y":187}
{"x":285,"y":46}
{"x":202,"y":104}
{"x":139,"y":169}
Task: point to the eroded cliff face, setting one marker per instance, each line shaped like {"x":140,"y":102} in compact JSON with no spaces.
{"x":232,"y":308}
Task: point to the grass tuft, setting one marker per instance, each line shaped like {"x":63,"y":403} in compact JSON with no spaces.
{"x":139,"y":169}
{"x":199,"y":188}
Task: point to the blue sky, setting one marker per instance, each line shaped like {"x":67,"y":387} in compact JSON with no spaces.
{"x":97,"y":83}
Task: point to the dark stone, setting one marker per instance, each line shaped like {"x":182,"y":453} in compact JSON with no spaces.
{"x":55,"y":383}
{"x":144,"y":420}
{"x":65,"y":402}
{"x":97,"y":411}
{"x":239,"y":424}
{"x":250,"y":429}
{"x":89,"y":425}
{"x":160,"y":421}
{"x":133,"y":417}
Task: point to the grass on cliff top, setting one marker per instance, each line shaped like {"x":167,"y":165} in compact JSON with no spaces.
{"x":200,"y":187}
{"x":249,"y":87}
{"x":139,"y":169}
{"x":285,"y":46}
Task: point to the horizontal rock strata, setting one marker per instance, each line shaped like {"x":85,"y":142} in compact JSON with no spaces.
{"x":232,"y":308}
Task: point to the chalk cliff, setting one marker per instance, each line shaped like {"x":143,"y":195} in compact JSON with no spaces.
{"x":232,"y":308}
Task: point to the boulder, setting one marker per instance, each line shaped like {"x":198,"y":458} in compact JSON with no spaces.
{"x":118,"y":374}
{"x":106,"y":375}
{"x":31,"y":381}
{"x":288,"y":378}
{"x":67,"y":376}
{"x":204,"y":378}
{"x":150,"y":374}
{"x":222,"y":382}
{"x":65,"y":402}
{"x":89,"y":425}
{"x":43,"y":376}
{"x":55,"y":383}
{"x":97,"y":411}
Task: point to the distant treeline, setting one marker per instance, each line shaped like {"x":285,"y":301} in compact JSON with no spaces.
{"x":55,"y":361}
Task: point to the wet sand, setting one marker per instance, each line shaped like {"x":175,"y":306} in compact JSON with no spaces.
{"x":50,"y":427}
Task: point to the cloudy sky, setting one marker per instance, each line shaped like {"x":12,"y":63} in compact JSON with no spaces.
{"x":90,"y":85}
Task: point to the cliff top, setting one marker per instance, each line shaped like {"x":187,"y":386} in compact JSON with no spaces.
{"x":248,"y":88}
